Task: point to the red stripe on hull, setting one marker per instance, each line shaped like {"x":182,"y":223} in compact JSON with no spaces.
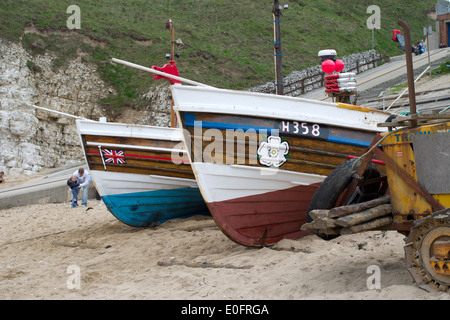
{"x":264,"y":219}
{"x":145,"y":157}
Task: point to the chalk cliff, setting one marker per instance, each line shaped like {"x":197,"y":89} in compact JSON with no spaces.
{"x":32,"y":139}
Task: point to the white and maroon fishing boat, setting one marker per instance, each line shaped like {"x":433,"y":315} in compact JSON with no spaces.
{"x":259,"y":158}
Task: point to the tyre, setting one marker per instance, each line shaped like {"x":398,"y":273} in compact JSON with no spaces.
{"x":333,"y":187}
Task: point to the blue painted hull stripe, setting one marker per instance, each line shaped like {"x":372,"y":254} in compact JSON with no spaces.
{"x":359,"y":143}
{"x":190,"y":122}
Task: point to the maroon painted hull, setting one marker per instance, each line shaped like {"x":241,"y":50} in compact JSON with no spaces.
{"x":259,"y":220}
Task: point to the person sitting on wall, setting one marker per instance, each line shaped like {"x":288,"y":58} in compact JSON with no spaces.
{"x":423,"y":46}
{"x":2,"y":174}
{"x":418,"y":49}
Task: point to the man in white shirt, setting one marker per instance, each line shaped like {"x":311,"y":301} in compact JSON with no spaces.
{"x":424,"y":46}
{"x":84,"y":179}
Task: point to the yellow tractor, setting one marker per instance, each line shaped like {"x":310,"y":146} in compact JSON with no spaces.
{"x":407,"y":189}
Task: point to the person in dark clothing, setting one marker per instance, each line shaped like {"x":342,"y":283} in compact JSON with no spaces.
{"x":75,"y":187}
{"x":417,"y":48}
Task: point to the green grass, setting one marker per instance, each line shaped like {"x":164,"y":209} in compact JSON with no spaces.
{"x":228,"y":44}
{"x":444,"y":68}
{"x":397,"y":88}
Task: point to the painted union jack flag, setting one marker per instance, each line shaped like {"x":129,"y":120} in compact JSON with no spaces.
{"x":113,"y":156}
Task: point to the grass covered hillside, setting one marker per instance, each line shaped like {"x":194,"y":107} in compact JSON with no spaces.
{"x":227,"y":43}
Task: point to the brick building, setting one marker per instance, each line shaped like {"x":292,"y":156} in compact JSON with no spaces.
{"x":443,"y":21}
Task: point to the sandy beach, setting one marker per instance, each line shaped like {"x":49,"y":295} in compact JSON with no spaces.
{"x":47,"y":248}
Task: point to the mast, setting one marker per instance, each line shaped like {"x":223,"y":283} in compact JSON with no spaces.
{"x":172,"y":38}
{"x":170,"y":26}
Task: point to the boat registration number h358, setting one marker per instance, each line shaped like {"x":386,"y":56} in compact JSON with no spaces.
{"x":303,"y":129}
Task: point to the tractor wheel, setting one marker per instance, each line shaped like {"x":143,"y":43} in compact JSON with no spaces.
{"x":425,"y":262}
{"x":336,"y":183}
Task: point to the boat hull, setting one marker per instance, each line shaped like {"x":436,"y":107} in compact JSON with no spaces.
{"x":141,"y":172}
{"x":258,"y":159}
{"x":151,"y":208}
{"x":257,"y":206}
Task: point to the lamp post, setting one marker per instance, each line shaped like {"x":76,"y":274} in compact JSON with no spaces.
{"x":277,"y":9}
{"x":428,"y":31}
{"x":373,"y":33}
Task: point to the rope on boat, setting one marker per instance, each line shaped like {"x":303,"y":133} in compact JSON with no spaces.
{"x":136,"y":66}
{"x":54,"y":111}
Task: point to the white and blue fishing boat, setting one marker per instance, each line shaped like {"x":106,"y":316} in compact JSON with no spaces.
{"x":142,"y":173}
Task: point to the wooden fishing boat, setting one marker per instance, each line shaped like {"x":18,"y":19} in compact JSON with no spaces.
{"x":259,"y":158}
{"x":141,"y":172}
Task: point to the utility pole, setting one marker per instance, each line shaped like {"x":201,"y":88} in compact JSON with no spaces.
{"x":277,"y":8}
{"x":373,"y":33}
{"x":428,"y":32}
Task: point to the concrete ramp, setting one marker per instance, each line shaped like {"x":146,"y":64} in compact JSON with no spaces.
{"x":51,"y":188}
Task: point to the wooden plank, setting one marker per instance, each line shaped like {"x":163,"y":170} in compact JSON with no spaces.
{"x":320,"y":224}
{"x":420,"y":118}
{"x":316,"y":226}
{"x":370,"y":225}
{"x":364,"y":216}
{"x":132,"y":141}
{"x":309,"y":226}
{"x":353,"y":208}
{"x":318,"y":214}
{"x":325,"y":223}
{"x":142,"y":170}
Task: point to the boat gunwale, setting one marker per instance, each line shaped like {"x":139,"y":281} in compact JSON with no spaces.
{"x":288,"y":114}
